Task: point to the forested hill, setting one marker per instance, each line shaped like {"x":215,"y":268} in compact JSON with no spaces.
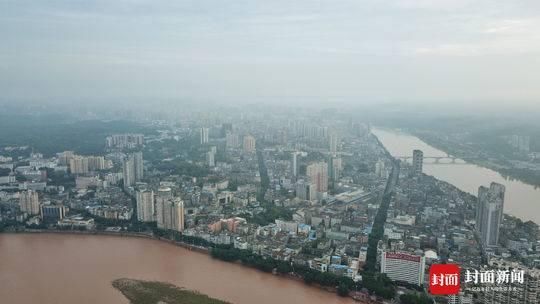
{"x":49,"y":134}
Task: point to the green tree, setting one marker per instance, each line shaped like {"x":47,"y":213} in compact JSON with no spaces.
{"x":411,"y":298}
{"x":343,"y":290}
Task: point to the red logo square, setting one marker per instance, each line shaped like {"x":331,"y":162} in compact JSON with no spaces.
{"x":444,"y":279}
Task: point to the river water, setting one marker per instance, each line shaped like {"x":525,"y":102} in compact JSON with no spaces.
{"x":78,"y":269}
{"x":521,"y":199}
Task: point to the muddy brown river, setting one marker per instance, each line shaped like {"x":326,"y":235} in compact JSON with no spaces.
{"x":61,"y":268}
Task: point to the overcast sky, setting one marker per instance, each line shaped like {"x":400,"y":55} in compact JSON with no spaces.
{"x":353,"y":51}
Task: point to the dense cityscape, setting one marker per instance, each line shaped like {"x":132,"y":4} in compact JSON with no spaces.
{"x":317,"y":199}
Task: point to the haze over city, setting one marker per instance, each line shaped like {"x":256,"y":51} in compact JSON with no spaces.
{"x":447,"y":52}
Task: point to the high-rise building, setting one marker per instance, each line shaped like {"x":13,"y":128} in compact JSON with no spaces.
{"x":78,"y":165}
{"x":138,"y":165}
{"x":305,"y":190}
{"x":203,"y":135}
{"x":164,"y":194}
{"x":145,"y":206}
{"x":232,"y":140}
{"x":380,"y":168}
{"x":96,"y":163}
{"x":210,"y":158}
{"x":335,"y":167}
{"x":124,"y":140}
{"x":64,"y":157}
{"x":83,"y":164}
{"x":403,"y":267}
{"x":133,"y":169}
{"x":294,"y":164}
{"x":169,"y":211}
{"x":333,"y":142}
{"x":489,"y":213}
{"x":318,"y":175}
{"x":418,"y":161}
{"x":225,"y":128}
{"x":29,"y":202}
{"x":129,"y":171}
{"x":177,"y":215}
{"x":249,"y":144}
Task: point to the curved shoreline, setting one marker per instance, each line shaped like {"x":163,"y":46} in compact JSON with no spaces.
{"x":520,"y":194}
{"x":472,"y":161}
{"x":115,"y":234}
{"x":198,"y":249}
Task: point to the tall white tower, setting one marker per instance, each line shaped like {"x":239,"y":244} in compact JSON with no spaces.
{"x":489,"y":213}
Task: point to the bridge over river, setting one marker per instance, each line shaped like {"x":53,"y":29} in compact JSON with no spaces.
{"x":521,"y":200}
{"x":449,"y":159}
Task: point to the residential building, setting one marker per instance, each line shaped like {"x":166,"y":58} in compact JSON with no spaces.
{"x":335,"y":167}
{"x":64,"y":157}
{"x":489,"y":213}
{"x":380,"y":168}
{"x":210,"y":158}
{"x":305,"y":190}
{"x":138,"y":164}
{"x":294,"y":164}
{"x":318,"y":174}
{"x":124,"y":140}
{"x":145,"y":206}
{"x":249,"y":144}
{"x":96,"y":163}
{"x":29,"y":202}
{"x":333,"y":142}
{"x":231,"y":140}
{"x":418,"y":161}
{"x":171,"y":214}
{"x":203,"y":135}
{"x":78,"y":165}
{"x":129,"y":171}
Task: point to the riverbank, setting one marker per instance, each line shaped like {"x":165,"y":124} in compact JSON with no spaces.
{"x":520,"y":198}
{"x":357,"y":296}
{"x":118,"y":234}
{"x":526,"y":176}
{"x":97,"y":260}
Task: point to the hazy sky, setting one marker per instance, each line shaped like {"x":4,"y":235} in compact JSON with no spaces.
{"x":351,"y":51}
